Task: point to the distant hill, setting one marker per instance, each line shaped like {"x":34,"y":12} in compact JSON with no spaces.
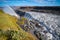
{"x":57,"y":8}
{"x":44,"y":9}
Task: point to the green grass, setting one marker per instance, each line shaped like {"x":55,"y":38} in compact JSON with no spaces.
{"x":8,"y":22}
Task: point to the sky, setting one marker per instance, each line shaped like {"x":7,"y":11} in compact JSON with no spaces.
{"x":30,"y":2}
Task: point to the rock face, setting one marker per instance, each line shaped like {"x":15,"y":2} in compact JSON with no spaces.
{"x":20,"y":13}
{"x":10,"y":30}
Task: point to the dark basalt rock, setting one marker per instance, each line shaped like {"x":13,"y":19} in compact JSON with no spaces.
{"x":37,"y":34}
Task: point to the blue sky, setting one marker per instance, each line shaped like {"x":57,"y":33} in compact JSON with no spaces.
{"x":30,"y":2}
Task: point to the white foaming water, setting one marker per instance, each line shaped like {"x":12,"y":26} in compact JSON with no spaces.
{"x":50,"y":20}
{"x":9,"y":10}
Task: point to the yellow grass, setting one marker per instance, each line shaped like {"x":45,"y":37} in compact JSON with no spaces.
{"x":8,"y":22}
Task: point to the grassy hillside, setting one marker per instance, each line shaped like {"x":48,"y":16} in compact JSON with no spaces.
{"x":10,"y":30}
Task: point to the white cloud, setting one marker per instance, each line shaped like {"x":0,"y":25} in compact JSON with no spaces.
{"x":43,"y":0}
